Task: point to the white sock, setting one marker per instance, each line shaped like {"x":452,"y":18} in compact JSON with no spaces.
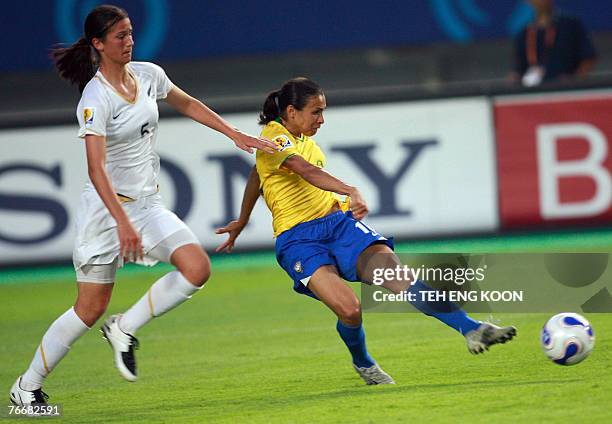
{"x":54,"y":345}
{"x":166,"y":293}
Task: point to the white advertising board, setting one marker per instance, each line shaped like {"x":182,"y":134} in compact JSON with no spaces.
{"x":426,"y":168}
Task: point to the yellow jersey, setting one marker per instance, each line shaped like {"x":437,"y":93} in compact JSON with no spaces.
{"x":290,"y":198}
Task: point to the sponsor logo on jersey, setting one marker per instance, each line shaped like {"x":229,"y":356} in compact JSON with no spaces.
{"x":88,"y":115}
{"x":282,"y":141}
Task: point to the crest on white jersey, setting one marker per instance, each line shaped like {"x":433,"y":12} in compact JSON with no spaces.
{"x":88,"y":115}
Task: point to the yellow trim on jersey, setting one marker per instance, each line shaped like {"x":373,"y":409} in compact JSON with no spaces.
{"x":91,"y":132}
{"x":290,"y":198}
{"x":125,"y":199}
{"x":129,"y":71}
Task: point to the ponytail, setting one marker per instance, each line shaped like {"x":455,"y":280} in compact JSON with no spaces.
{"x":77,"y":64}
{"x":270,"y":111}
{"x":296,"y":92}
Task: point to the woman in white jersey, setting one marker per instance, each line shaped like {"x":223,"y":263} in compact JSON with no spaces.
{"x":120,"y":216}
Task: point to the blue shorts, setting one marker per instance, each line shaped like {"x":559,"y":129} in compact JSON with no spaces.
{"x":336,"y":239}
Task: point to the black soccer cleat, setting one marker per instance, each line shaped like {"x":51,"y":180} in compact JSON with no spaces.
{"x":123,"y":345}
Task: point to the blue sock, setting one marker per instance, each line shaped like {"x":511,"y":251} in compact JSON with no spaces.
{"x":447,"y":312}
{"x":354,"y":338}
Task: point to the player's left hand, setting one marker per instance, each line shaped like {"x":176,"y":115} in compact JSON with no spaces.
{"x":234,"y":228}
{"x":248,"y":142}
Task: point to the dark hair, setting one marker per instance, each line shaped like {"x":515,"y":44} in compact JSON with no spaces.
{"x":295,"y":92}
{"x":78,"y":63}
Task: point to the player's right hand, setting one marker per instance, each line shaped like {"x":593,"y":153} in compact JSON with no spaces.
{"x":358,"y":206}
{"x":248,"y":142}
{"x":234,"y":228}
{"x":130,"y":242}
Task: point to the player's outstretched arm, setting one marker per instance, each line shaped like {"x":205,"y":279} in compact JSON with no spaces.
{"x":201,"y":113}
{"x":249,"y":199}
{"x":326,"y":181}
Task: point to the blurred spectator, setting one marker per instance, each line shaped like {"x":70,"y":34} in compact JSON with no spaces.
{"x":553,"y":47}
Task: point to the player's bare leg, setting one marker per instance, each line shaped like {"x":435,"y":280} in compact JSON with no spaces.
{"x":327,"y":285}
{"x":174,"y":288}
{"x":479,"y":336}
{"x":91,"y":303}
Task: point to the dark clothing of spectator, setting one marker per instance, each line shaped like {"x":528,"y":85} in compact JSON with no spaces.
{"x":559,"y":48}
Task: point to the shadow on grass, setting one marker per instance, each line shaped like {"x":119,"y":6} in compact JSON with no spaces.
{"x":402,"y":388}
{"x":197,"y":406}
{"x":271,"y":400}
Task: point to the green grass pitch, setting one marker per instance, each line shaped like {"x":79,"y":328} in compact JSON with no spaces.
{"x":247,"y":349}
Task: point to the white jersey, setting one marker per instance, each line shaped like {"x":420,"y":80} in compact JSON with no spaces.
{"x":130,"y":128}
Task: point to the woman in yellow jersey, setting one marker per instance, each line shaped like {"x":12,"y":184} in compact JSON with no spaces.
{"x":320,"y":240}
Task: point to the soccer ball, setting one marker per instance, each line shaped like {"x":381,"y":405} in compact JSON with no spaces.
{"x":567,"y":338}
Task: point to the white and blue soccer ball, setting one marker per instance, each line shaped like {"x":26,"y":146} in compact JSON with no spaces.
{"x":567,"y":338}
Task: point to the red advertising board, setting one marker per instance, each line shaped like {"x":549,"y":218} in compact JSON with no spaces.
{"x":554,"y":159}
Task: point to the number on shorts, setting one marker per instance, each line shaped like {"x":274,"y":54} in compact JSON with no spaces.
{"x":365,"y":228}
